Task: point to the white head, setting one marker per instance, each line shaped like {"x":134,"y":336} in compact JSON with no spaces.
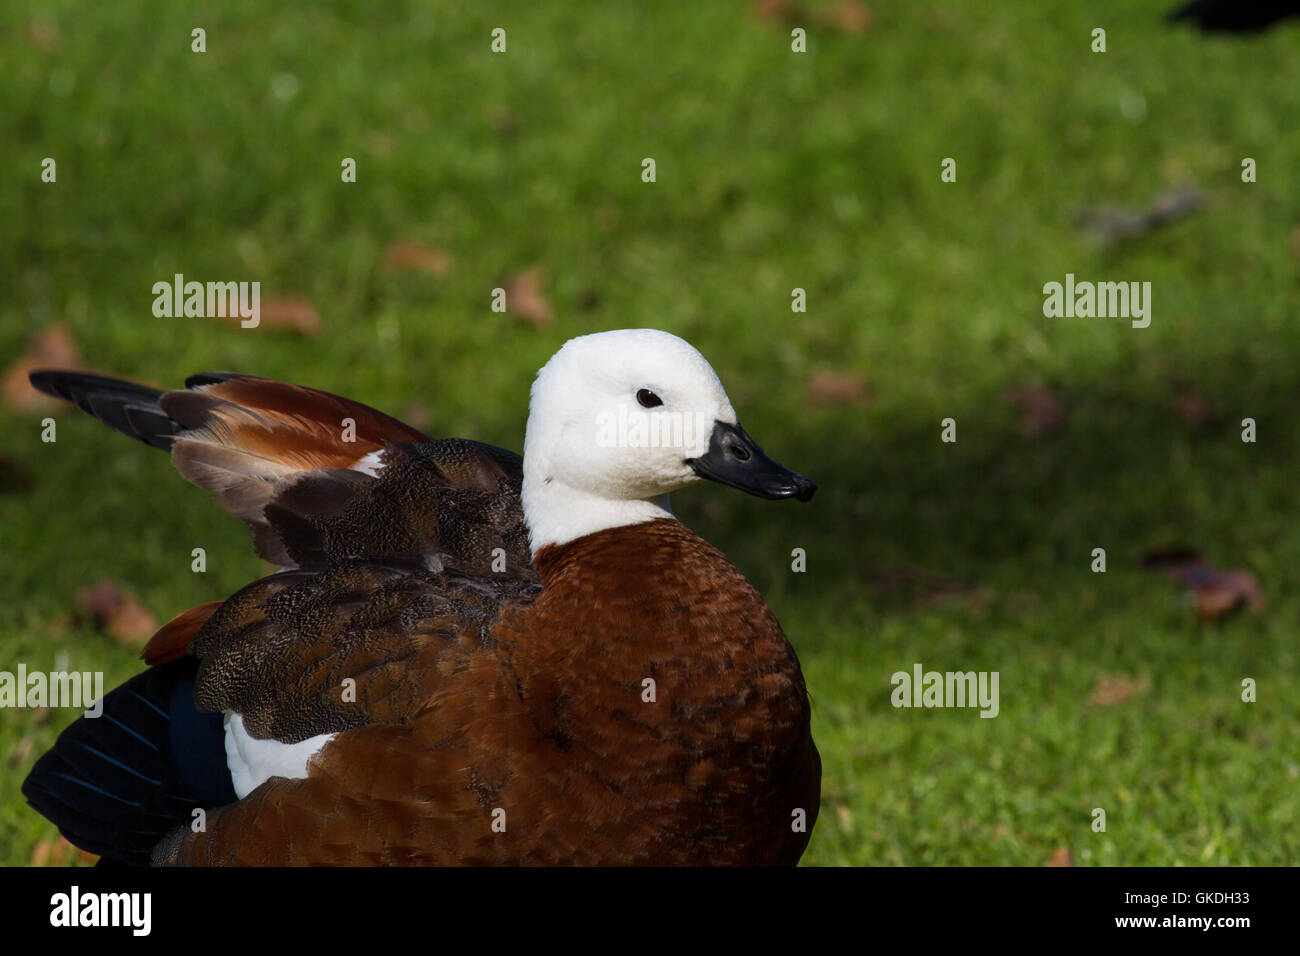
{"x":620,"y":419}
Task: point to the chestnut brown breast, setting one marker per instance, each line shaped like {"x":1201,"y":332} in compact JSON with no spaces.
{"x":544,"y":744}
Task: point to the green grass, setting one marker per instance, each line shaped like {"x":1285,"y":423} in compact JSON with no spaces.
{"x":774,"y":170}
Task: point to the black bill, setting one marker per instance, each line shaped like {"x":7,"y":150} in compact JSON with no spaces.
{"x":735,"y":459}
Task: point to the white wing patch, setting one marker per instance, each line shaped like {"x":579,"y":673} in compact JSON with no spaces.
{"x":369,"y":464}
{"x":252,"y":762}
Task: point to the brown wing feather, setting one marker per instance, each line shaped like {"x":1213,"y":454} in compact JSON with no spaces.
{"x":453,"y":498}
{"x":365,"y":641}
{"x":243,"y":436}
{"x":309,"y":420}
{"x":282,"y":458}
{"x":173,"y":638}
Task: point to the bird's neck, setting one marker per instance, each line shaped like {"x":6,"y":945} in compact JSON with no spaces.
{"x":557,"y":513}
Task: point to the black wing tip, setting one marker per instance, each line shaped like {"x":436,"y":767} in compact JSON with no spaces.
{"x":127,"y":407}
{"x":45,"y":380}
{"x":60,"y":382}
{"x":67,"y":383}
{"x":200,"y":379}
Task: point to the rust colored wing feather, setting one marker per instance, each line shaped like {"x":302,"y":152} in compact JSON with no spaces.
{"x":173,"y":639}
{"x":289,"y":425}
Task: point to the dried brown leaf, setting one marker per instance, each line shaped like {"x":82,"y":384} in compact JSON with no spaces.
{"x":1216,"y":593}
{"x":132,"y":624}
{"x":116,"y":613}
{"x":524,"y":296}
{"x":848,"y":16}
{"x":1041,"y":410}
{"x":417,"y":416}
{"x":1224,"y":592}
{"x":780,"y":10}
{"x":1195,"y":409}
{"x":835,"y":388}
{"x":406,"y":255}
{"x":1061,"y":856}
{"x":505,"y":123}
{"x":1113,"y":689}
{"x":21,"y":751}
{"x":52,"y":347}
{"x":59,"y":852}
{"x":292,"y":312}
{"x":43,"y":35}
{"x":41,"y":853}
{"x":14,"y":475}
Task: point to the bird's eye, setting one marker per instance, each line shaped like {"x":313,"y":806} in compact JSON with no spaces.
{"x":648,"y":399}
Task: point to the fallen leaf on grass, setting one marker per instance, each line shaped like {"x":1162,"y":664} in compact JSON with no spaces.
{"x":52,"y":347}
{"x":14,"y":475}
{"x":1217,"y":593}
{"x":1041,"y":411}
{"x":22,"y":751}
{"x":1061,"y":856}
{"x":1113,"y":689}
{"x":524,"y":297}
{"x":417,"y":416}
{"x":293,"y":312}
{"x":1195,"y":409}
{"x":118,"y":614}
{"x":402,"y":256}
{"x":505,"y":123}
{"x":43,"y":35}
{"x":783,"y":11}
{"x":848,"y":16}
{"x":59,"y":852}
{"x":835,"y":388}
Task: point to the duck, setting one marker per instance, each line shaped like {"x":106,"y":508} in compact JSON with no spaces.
{"x":466,"y":657}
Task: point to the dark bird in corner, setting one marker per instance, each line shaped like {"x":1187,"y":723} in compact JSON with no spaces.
{"x":1235,"y":16}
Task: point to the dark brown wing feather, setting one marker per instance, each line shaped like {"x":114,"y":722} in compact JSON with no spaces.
{"x":453,"y":498}
{"x":365,"y":641}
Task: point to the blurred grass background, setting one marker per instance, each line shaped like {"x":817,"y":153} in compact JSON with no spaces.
{"x":775,"y":170}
